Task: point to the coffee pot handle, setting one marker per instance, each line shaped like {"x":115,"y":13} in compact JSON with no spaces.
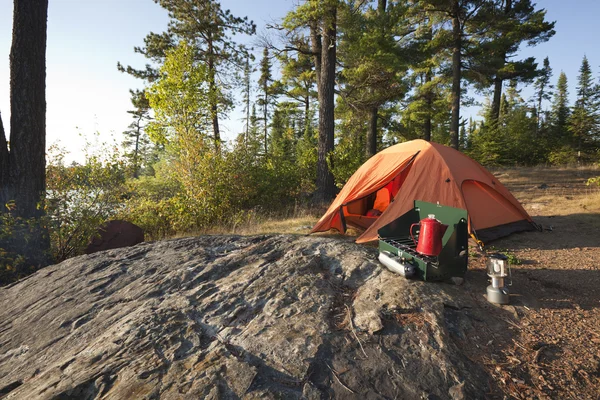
{"x":410,"y":230}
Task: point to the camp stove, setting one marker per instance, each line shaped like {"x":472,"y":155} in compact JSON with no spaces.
{"x":398,"y":251}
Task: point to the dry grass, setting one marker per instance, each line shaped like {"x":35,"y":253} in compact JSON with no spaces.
{"x":543,"y":191}
{"x":553,"y":190}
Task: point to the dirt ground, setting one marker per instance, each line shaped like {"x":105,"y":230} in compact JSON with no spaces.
{"x":547,"y":344}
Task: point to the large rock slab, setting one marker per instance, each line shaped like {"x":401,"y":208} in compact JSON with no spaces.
{"x":228,"y":317}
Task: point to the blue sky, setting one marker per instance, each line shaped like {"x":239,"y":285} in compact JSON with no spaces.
{"x":86,"y":38}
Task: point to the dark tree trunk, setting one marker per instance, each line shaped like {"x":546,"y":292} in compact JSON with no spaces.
{"x":325,"y":184}
{"x":4,"y":168}
{"x":306,"y":114}
{"x":497,"y":99}
{"x":265,"y":115}
{"x":456,"y":75}
{"x":27,"y":159}
{"x":372,"y":134}
{"x":136,"y":154}
{"x":429,"y":103}
{"x":315,"y":40}
{"x":214,"y":108}
{"x":498,"y":79}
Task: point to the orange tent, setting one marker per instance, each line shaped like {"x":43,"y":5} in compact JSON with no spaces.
{"x":385,"y":187}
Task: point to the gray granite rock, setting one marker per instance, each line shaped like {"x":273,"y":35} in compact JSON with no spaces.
{"x":229,"y":317}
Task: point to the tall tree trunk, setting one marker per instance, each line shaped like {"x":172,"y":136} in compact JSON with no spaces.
{"x":27,"y":159}
{"x":4,"y":168}
{"x":372,"y":133}
{"x":306,"y":113}
{"x":136,"y":154}
{"x":265,"y":112}
{"x":247,"y":79}
{"x":456,"y":74}
{"x":316,"y":49}
{"x":497,"y":99}
{"x":213,"y":98}
{"x":429,"y":103}
{"x":498,"y":79}
{"x":371,"y":144}
{"x":325,"y":184}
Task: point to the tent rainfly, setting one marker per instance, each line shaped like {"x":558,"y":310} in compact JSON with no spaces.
{"x":385,"y":187}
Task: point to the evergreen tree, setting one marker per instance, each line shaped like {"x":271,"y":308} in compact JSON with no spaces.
{"x":320,"y":17}
{"x":374,"y":60}
{"x":136,"y":139}
{"x":23,"y":166}
{"x":425,"y":114}
{"x":584,"y":121}
{"x":208,"y":28}
{"x":247,"y":92}
{"x":459,"y":14}
{"x":24,"y":240}
{"x":298,"y":80}
{"x":560,"y":111}
{"x":266,"y":98}
{"x":500,"y":28}
{"x":543,"y":88}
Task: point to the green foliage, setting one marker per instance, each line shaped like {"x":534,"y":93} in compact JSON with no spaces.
{"x":512,"y":139}
{"x":138,"y":149}
{"x":80,"y":198}
{"x":20,"y":240}
{"x":180,"y":100}
{"x":584,"y":122}
{"x":593,"y":181}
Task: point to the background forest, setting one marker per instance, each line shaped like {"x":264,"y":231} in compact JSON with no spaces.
{"x":335,"y":82}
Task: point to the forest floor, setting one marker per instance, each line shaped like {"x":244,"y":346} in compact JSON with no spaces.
{"x":547,"y":344}
{"x":553,"y":347}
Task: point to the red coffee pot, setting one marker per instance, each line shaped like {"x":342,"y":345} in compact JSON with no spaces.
{"x":430,"y":235}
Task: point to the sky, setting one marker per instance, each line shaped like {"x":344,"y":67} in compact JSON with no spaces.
{"x":85,"y":92}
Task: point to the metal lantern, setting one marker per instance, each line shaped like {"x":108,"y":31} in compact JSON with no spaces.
{"x":498,"y":269}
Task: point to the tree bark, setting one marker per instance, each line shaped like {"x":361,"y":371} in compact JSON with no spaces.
{"x":315,"y":40}
{"x":214,"y":109}
{"x":372,"y":133}
{"x":456,"y":74}
{"x":306,"y":113}
{"x":497,"y":99}
{"x":4,"y":168}
{"x":325,"y":184}
{"x":429,"y":103}
{"x":265,"y":116}
{"x":498,"y":79}
{"x":27,"y":158}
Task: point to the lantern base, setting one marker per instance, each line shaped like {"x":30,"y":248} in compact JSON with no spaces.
{"x":498,"y":295}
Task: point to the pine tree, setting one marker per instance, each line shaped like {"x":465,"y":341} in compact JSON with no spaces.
{"x":247,"y":92}
{"x":560,"y":111}
{"x":543,"y":89}
{"x":136,"y":139}
{"x":425,"y":115}
{"x":208,"y":28}
{"x":320,"y":17}
{"x":374,"y":61}
{"x":23,"y":176}
{"x":24,"y":241}
{"x":298,"y":80}
{"x":585,"y":118}
{"x":459,"y":14}
{"x":266,"y":99}
{"x":500,"y":28}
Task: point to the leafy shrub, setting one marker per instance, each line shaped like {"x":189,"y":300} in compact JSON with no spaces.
{"x":81,"y":197}
{"x":20,"y":244}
